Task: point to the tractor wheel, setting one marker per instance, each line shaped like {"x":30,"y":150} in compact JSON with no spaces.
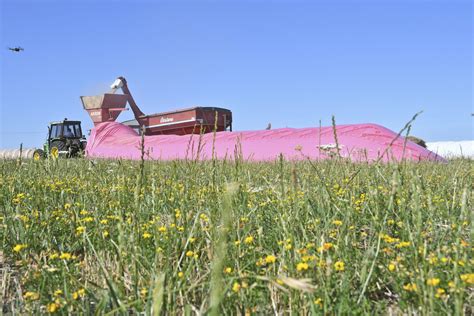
{"x":54,"y":152}
{"x":38,"y":155}
{"x":56,"y":147}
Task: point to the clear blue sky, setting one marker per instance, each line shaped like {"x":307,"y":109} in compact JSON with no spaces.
{"x":291,"y":63}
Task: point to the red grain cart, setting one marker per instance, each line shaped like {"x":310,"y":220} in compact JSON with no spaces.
{"x":107,"y":107}
{"x":187,"y":121}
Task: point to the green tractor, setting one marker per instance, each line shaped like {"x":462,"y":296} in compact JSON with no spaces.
{"x":65,"y":139}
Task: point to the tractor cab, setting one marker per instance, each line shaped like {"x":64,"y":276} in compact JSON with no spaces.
{"x":65,"y":138}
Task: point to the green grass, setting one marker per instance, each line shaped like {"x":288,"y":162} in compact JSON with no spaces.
{"x":332,"y":237}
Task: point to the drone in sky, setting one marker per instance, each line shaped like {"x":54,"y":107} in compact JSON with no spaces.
{"x":16,"y":49}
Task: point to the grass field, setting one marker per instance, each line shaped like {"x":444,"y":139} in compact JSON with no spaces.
{"x":332,"y":237}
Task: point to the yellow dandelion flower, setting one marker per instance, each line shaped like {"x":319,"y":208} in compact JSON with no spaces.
{"x":433,"y":260}
{"x":308,"y":258}
{"x":326,"y":246}
{"x":162,"y":229}
{"x":403,"y":244}
{"x":410,"y":287}
{"x":52,"y":307}
{"x":189,"y":253}
{"x":146,"y":235}
{"x":65,"y":256}
{"x":468,"y":278}
{"x":19,"y":247}
{"x":180,"y":274}
{"x":319,"y":302}
{"x":248,"y":240}
{"x":391,"y":267}
{"x":433,"y":281}
{"x":302,"y":266}
{"x":143,"y":292}
{"x":440,"y":292}
{"x":228,"y":270}
{"x":236,"y":287}
{"x":32,"y":296}
{"x":389,"y":239}
{"x":339,"y":266}
{"x":80,"y":230}
{"x":78,"y":294}
{"x":270,"y":259}
{"x":58,"y":293}
{"x":105,"y":233}
{"x":337,"y":222}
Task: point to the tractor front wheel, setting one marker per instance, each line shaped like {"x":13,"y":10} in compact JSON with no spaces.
{"x":54,"y":152}
{"x":56,"y":147}
{"x":38,"y":155}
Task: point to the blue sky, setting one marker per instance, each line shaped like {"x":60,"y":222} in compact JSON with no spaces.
{"x":291,"y":63}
